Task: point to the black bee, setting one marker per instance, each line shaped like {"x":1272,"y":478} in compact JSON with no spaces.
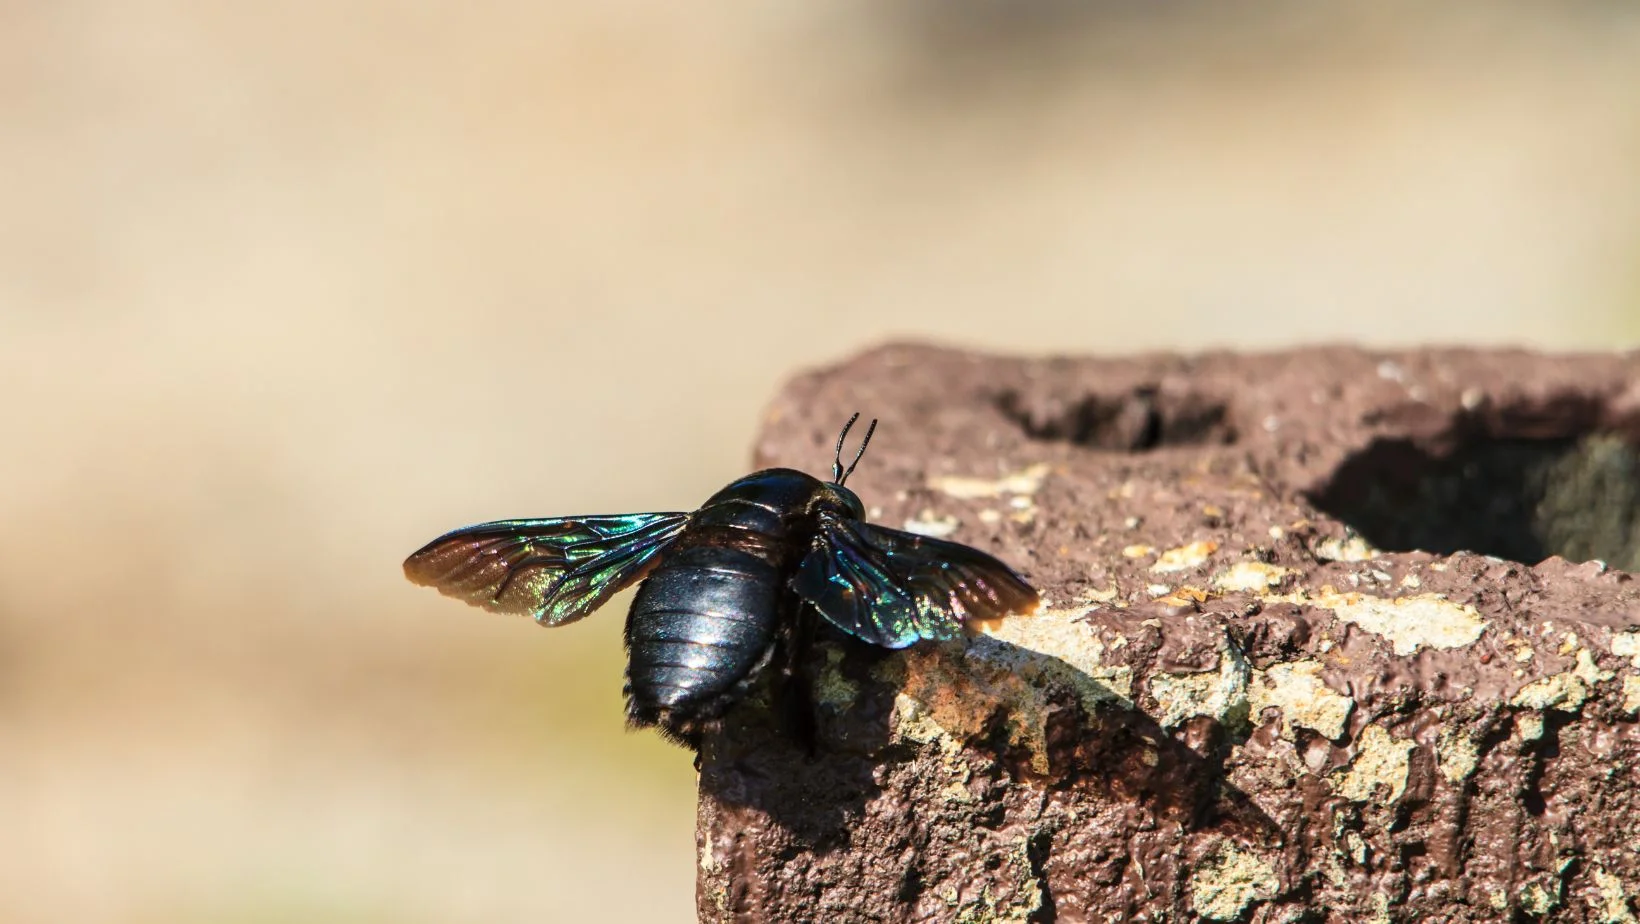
{"x":726,"y":586}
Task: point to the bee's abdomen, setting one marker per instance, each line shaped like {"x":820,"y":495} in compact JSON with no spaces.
{"x":703,"y":624}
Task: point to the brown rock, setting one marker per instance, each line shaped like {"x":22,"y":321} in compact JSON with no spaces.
{"x":1321,"y":643}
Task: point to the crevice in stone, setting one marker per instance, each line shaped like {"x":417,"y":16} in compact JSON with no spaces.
{"x":1037,"y":850}
{"x":1482,"y":489}
{"x":1143,"y":419}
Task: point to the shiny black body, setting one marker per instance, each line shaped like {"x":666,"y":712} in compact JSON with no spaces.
{"x":710,"y":616}
{"x":729,"y":588}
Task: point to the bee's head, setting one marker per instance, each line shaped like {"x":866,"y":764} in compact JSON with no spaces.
{"x":836,"y":498}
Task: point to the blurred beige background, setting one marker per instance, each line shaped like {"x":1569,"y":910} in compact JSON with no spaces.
{"x":287,"y":289}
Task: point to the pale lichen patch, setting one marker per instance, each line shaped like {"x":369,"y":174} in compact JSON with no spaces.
{"x":1627,"y":645}
{"x":1587,"y":671}
{"x":1537,"y":900}
{"x":914,"y":720}
{"x":1529,"y":726}
{"x":1353,"y":548}
{"x":1380,"y":909}
{"x":1631,"y":694}
{"x":1181,"y":696}
{"x":1563,"y":692}
{"x":1303,"y":697}
{"x":719,"y":897}
{"x":831,"y":688}
{"x":708,"y":856}
{"x":1220,"y":694}
{"x":986,"y":909}
{"x":932,"y":525}
{"x":1457,"y":756}
{"x":1102,"y":594}
{"x":1249,"y":576}
{"x":1025,"y":481}
{"x":1024,"y":509}
{"x":1228,"y":881}
{"x":1184,"y":557}
{"x":1410,"y":623}
{"x":1357,"y":847}
{"x":1614,"y":904}
{"x":1380,"y":760}
{"x":1062,"y":636}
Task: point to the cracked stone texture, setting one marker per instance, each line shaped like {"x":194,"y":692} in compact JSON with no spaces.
{"x":1322,"y":641}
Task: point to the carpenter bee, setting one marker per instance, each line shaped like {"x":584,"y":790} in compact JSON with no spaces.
{"x":727,"y":586}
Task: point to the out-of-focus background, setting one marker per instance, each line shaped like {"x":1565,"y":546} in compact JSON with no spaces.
{"x":287,"y":289}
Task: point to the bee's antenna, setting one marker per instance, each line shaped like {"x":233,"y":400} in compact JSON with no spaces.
{"x":838,"y":475}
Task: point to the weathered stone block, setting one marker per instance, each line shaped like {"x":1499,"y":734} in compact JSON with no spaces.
{"x":1325,"y":639}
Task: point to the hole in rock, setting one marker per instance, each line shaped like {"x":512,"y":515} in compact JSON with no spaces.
{"x":1521,"y":499}
{"x":1144,"y":419}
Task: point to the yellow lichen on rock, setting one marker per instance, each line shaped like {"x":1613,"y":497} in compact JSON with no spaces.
{"x":1562,"y":692}
{"x":708,"y":858}
{"x":1588,"y":671}
{"x":1220,"y":694}
{"x":1023,"y":482}
{"x":1352,"y":549}
{"x":1537,"y":900}
{"x":933,"y":525}
{"x":1410,"y":623}
{"x":1060,"y":635}
{"x":831,"y":688}
{"x":1529,"y":726}
{"x":1627,"y":645}
{"x":1250,"y":577}
{"x":1228,"y":881}
{"x":1631,"y":694}
{"x":1380,"y":760}
{"x":1303,"y":697}
{"x":1457,"y":756}
{"x":1614,"y":904}
{"x":1184,"y":557}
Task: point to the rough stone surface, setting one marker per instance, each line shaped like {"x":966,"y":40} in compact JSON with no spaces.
{"x":1323,"y":641}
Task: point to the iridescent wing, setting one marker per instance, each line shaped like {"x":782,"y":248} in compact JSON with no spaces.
{"x":893,"y":588}
{"x":554,"y":571}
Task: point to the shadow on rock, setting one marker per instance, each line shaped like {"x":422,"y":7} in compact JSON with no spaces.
{"x":989,"y":714}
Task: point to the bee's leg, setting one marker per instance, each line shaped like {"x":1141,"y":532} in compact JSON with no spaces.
{"x":797,"y":678}
{"x":691,"y":740}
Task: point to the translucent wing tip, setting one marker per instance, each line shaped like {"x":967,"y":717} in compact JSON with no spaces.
{"x":1029,"y":603}
{"x":418,"y":569}
{"x":552,"y":570}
